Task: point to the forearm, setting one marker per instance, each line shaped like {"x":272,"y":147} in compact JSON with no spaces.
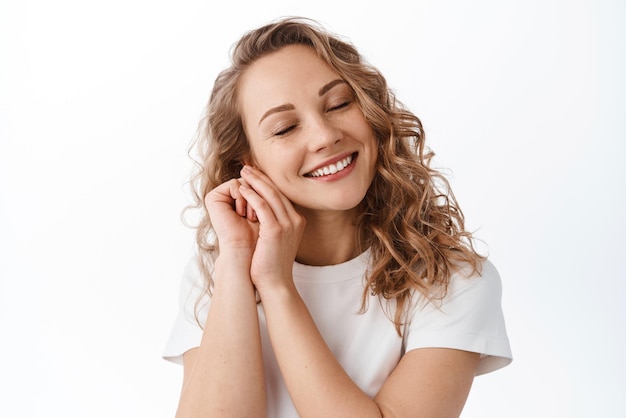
{"x":226,"y":379}
{"x":316,"y":381}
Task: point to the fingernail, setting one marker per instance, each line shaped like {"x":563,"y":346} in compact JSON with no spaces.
{"x":243,"y":187}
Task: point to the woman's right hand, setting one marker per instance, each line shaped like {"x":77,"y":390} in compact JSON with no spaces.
{"x":232,"y":219}
{"x":225,"y":373}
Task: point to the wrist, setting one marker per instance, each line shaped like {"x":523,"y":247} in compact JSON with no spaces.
{"x":277,"y":293}
{"x":235,"y":258}
{"x":233,"y":266}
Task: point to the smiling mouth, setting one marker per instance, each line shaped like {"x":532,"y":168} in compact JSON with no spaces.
{"x":332,"y":168}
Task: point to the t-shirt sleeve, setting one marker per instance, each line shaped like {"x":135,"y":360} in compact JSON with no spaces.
{"x":193,"y":306}
{"x":468,"y":318}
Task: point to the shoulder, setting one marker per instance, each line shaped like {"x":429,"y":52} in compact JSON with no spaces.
{"x":472,"y":294}
{"x":469,"y":317}
{"x":482,"y":285}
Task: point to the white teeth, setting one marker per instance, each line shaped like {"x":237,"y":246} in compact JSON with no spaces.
{"x":332,"y":168}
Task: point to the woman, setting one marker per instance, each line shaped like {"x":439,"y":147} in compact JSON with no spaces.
{"x":334,"y":276}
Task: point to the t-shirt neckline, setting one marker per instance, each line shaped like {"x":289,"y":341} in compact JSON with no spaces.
{"x":351,"y":269}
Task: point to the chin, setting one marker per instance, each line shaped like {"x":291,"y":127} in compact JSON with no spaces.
{"x":338,"y":206}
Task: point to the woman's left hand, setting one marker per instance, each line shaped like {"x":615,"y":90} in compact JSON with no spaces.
{"x":280,"y":230}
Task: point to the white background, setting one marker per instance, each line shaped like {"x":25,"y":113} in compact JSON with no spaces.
{"x":524,"y":101}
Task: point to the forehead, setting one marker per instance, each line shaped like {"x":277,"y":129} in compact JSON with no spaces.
{"x":289,"y":74}
{"x":289,"y":62}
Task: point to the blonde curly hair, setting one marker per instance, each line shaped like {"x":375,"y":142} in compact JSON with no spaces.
{"x":409,"y":218}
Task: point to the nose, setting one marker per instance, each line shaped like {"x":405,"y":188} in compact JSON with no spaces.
{"x":323,"y":134}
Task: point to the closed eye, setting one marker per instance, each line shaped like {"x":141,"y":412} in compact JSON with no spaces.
{"x":340,"y":106}
{"x":285,"y":131}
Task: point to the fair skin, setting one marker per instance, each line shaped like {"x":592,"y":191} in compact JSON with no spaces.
{"x":300,"y":119}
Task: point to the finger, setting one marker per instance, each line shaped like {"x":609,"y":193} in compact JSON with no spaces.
{"x":219,"y":195}
{"x":264,"y":187}
{"x":240,"y":201}
{"x":249,"y":212}
{"x":227,"y":193}
{"x":260,"y":210}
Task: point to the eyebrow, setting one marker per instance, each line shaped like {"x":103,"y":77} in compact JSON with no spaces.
{"x":277,"y":109}
{"x":289,"y":106}
{"x":329,"y":86}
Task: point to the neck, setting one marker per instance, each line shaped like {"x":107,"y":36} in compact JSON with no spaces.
{"x":329,"y":238}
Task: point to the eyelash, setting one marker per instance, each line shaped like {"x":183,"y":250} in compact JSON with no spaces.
{"x":286,"y":130}
{"x":340,"y":106}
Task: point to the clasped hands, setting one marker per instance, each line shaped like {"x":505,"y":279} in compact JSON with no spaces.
{"x":251,"y":217}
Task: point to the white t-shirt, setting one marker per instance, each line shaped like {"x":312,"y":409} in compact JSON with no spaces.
{"x":366,"y":345}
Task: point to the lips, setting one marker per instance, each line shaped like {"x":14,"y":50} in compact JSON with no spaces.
{"x":332,"y":168}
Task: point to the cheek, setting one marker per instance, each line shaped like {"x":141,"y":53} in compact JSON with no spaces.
{"x":261,"y":160}
{"x":273,"y":164}
{"x":256,"y":156}
{"x":372,"y":141}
